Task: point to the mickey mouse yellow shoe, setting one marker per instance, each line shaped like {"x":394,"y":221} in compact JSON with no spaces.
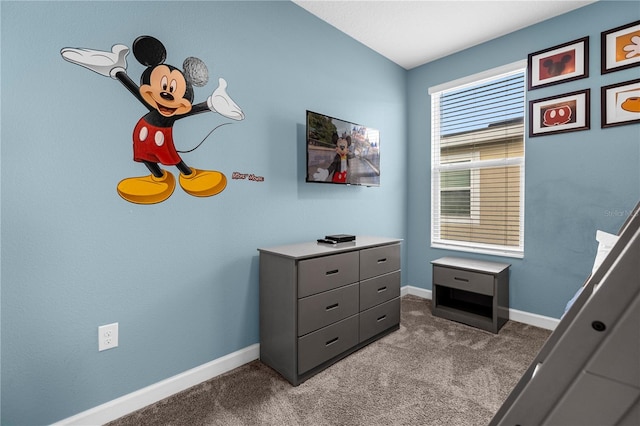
{"x":203,"y":183}
{"x":147,"y":189}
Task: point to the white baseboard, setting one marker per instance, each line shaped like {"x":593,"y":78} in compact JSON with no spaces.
{"x":541,"y":321}
{"x":127,"y":404}
{"x":141,"y":398}
{"x":533,"y":319}
{"x":415,"y":291}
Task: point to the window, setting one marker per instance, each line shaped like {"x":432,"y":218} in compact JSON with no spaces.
{"x":477,"y":163}
{"x":457,"y":190}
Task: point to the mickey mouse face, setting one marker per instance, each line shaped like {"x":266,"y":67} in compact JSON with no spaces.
{"x":342,"y":146}
{"x":166,"y":90}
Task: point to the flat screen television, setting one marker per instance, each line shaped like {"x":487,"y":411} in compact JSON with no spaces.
{"x":341,"y":152}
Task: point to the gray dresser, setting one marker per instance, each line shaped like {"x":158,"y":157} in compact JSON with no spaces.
{"x":319,"y":302}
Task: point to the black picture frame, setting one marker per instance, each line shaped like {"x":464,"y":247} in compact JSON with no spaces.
{"x":558,"y":64}
{"x":613,"y":99}
{"x":569,"y":112}
{"x":612,"y":45}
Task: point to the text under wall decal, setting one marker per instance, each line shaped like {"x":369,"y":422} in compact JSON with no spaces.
{"x":247,"y":176}
{"x":167,"y":92}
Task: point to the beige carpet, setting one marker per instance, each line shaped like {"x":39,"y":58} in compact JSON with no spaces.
{"x":430,"y":372}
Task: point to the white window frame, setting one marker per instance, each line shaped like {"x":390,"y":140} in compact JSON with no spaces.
{"x":474,"y":206}
{"x":436,"y":219}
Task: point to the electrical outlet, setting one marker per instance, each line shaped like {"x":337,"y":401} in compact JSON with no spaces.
{"x":107,"y":336}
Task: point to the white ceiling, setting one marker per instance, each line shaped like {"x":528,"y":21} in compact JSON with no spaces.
{"x":412,"y":33}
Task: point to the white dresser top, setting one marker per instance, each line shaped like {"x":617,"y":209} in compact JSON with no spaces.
{"x":471,"y":264}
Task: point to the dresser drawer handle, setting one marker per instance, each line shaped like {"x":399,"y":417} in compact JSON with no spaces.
{"x":335,"y":271}
{"x":382,"y":260}
{"x":466,"y":280}
{"x":381,"y":289}
{"x":332,"y":341}
{"x":381,"y":318}
{"x":330,"y":307}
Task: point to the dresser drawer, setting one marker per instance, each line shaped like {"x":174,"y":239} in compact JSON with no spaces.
{"x":463,"y":280}
{"x":379,"y":318}
{"x":325,"y":308}
{"x":379,"y":289}
{"x":379,"y":260}
{"x":322,"y":345}
{"x":327,"y":272}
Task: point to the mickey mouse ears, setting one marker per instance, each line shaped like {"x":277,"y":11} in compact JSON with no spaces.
{"x":195,"y":71}
{"x":150,"y":51}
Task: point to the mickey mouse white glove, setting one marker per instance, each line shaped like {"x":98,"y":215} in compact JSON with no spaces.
{"x":102,"y":62}
{"x":220,"y":102}
{"x":632,"y":48}
{"x":321,"y":174}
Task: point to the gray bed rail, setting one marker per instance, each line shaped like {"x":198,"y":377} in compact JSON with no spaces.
{"x":588,"y":370}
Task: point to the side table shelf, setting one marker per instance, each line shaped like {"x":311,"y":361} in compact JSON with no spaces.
{"x":472,"y":292}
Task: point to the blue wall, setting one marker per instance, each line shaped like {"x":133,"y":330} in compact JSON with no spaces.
{"x":575,"y":183}
{"x":180,"y":277}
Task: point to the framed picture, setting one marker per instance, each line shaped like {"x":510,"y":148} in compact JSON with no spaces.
{"x":559,"y":64}
{"x":620,"y":47}
{"x":621,"y":103}
{"x":557,"y":114}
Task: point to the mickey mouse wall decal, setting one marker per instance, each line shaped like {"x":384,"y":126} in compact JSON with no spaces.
{"x":167,"y":92}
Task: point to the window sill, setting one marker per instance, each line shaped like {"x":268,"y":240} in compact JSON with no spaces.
{"x":502,"y":252}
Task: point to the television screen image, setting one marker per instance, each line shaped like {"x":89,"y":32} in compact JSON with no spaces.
{"x":341,"y":152}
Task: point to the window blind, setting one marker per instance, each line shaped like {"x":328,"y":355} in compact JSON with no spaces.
{"x":478,"y":165}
